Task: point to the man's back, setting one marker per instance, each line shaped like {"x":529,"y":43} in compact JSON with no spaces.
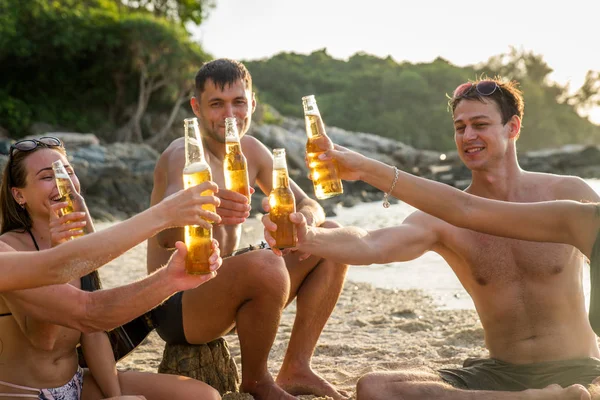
{"x":528,"y":295}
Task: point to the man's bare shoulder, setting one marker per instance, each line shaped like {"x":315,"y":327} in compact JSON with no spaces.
{"x":255,"y":151}
{"x":564,"y":187}
{"x":250,"y":144}
{"x":173,"y":155}
{"x":175,"y":149}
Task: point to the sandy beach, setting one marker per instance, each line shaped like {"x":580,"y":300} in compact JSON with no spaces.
{"x":370,"y":329}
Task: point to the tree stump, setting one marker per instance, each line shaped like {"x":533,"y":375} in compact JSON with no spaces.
{"x":210,"y":363}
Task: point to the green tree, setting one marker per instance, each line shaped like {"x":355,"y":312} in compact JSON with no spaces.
{"x":408,"y":101}
{"x":91,"y":65}
{"x":182,"y":11}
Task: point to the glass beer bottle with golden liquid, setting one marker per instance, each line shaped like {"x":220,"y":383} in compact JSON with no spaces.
{"x":325,"y":174}
{"x":282,"y":203}
{"x":66,"y":190}
{"x":196,"y":171}
{"x":235,"y":164}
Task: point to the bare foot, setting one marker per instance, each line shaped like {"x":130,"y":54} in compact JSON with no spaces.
{"x":308,"y":382}
{"x":266,"y":390}
{"x":555,"y":392}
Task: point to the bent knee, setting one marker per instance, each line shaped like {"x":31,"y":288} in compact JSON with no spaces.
{"x":262,"y":261}
{"x":330,"y":224}
{"x":368,"y":386}
{"x":268,"y":271}
{"x":213,"y":394}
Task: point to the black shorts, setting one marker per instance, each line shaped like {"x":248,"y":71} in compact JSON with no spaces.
{"x":168,"y":320}
{"x":491,"y":374}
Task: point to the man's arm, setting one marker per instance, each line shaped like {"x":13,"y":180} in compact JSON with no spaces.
{"x":356,"y":246}
{"x":103,"y":310}
{"x":90,"y":311}
{"x":559,"y":221}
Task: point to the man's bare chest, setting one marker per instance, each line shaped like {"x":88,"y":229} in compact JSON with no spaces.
{"x":489,"y":259}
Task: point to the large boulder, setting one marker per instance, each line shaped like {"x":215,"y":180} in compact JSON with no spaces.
{"x":116,"y":179}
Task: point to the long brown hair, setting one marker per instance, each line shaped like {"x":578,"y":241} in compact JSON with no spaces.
{"x":15,"y":217}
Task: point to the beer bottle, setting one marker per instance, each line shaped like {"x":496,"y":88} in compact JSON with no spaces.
{"x":67,"y":191}
{"x":235,"y":164}
{"x":197,"y":239}
{"x":325,"y":174}
{"x":282,"y":203}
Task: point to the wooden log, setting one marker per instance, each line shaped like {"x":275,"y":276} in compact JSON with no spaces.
{"x":210,"y":363}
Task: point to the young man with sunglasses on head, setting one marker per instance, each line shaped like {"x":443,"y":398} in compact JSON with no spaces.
{"x":528,"y":295}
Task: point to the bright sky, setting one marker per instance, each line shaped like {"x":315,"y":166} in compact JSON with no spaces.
{"x":464,"y":32}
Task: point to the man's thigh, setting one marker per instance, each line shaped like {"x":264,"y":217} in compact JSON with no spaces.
{"x":209,"y":311}
{"x":299,"y":269}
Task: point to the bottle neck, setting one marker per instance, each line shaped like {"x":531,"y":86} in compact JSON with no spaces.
{"x":231,"y":135}
{"x":65,"y":185}
{"x":314,"y":125}
{"x":233,"y":147}
{"x":63,"y":181}
{"x":280,"y":178}
{"x":194,"y":151}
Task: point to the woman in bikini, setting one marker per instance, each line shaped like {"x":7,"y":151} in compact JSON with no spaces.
{"x":74,"y":259}
{"x":38,"y":359}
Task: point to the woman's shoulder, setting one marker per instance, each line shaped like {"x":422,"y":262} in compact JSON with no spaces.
{"x":15,"y":241}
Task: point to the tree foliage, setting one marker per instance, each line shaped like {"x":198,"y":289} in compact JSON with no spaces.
{"x":182,"y":11}
{"x":408,"y":101}
{"x":90,"y":65}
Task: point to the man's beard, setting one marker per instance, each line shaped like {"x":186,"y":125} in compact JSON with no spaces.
{"x":214,"y":135}
{"x":209,"y":132}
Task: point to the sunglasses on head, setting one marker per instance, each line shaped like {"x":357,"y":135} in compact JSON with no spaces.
{"x":30,"y":144}
{"x":484,"y":88}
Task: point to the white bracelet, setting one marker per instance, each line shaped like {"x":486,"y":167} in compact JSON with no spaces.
{"x":386,"y":202}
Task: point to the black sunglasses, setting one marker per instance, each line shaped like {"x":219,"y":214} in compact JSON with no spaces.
{"x":30,"y":144}
{"x":484,"y":88}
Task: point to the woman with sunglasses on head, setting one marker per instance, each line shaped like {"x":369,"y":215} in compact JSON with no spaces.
{"x":528,"y":295}
{"x":77,"y":258}
{"x":40,"y":328}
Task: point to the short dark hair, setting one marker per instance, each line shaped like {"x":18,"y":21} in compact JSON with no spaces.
{"x":509,"y":98}
{"x":222,"y":71}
